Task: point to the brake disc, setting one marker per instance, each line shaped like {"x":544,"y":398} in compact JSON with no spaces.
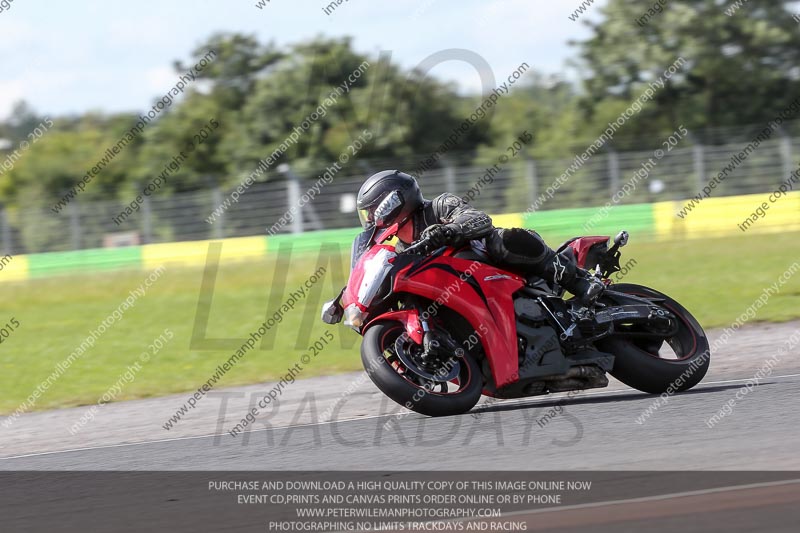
{"x":449,"y":370}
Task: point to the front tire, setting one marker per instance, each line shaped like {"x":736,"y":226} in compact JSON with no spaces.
{"x":637,"y":362}
{"x":390,"y":375}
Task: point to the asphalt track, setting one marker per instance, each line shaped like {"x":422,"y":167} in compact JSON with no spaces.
{"x":596,"y":430}
{"x":741,"y":475}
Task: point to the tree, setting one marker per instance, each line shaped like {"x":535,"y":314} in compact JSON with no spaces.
{"x":741,"y":69}
{"x":239,"y":61}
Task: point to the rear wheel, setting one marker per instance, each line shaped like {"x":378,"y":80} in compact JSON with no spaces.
{"x":445,"y":386}
{"x":659,"y":364}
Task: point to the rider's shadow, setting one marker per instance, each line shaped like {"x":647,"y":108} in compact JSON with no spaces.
{"x":632,"y":396}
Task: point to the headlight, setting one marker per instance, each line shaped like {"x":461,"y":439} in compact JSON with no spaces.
{"x":353,"y":316}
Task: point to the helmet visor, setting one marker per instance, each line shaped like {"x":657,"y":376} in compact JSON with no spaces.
{"x":367,"y":217}
{"x":382,"y":214}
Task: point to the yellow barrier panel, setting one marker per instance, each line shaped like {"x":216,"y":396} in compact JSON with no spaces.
{"x":511,"y":220}
{"x":194,"y":253}
{"x":722,"y":217}
{"x":13,"y":268}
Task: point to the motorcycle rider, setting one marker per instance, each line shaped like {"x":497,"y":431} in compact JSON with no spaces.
{"x":392,"y":196}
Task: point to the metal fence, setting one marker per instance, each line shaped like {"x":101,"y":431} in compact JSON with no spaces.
{"x":680,"y":174}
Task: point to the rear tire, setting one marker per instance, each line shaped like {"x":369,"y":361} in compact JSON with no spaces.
{"x":379,"y":339}
{"x":639,"y":367}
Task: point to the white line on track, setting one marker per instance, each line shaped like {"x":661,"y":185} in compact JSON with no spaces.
{"x":644,"y":499}
{"x":546,"y":399}
{"x":659,"y":497}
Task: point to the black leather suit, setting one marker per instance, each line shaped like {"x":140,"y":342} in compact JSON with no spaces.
{"x":514,"y":248}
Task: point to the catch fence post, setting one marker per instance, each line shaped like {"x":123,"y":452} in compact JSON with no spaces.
{"x":786,"y":153}
{"x":75,"y":224}
{"x":217,"y":228}
{"x":147,"y":221}
{"x":613,"y":171}
{"x":532,"y":179}
{"x":293,"y":195}
{"x":699,"y":163}
{"x":5,"y":231}
{"x":450,"y":179}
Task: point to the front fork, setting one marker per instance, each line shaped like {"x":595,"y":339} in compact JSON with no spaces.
{"x":419,"y":331}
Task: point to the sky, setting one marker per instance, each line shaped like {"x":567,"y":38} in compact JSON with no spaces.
{"x":67,"y":57}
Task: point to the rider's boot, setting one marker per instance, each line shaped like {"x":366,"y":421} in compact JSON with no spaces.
{"x":564,"y":271}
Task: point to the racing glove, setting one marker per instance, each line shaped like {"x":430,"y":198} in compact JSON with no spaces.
{"x":442,"y":234}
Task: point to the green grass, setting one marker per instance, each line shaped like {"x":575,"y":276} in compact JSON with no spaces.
{"x":718,"y":279}
{"x":715,"y":279}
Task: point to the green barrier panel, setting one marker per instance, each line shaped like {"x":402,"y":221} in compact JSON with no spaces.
{"x":48,"y":264}
{"x":559,"y":225}
{"x":312,"y":241}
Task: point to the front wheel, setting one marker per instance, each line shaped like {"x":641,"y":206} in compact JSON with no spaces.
{"x":441,"y":388}
{"x":658,"y":365}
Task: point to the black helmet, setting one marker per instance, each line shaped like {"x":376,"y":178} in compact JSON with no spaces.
{"x":388,"y":197}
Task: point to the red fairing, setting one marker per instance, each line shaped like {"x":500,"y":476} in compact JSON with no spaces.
{"x":387,"y":233}
{"x":409,"y":318}
{"x":483,"y":299}
{"x":581,"y":247}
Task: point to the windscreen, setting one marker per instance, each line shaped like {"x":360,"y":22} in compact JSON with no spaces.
{"x":361,"y":244}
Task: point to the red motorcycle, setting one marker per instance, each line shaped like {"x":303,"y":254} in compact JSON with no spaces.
{"x":442,"y":328}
